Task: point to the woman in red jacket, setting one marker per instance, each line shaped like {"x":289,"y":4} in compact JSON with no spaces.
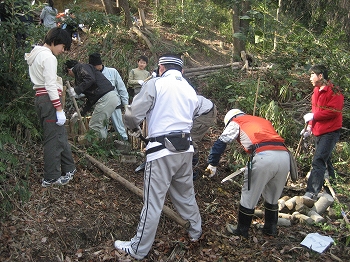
{"x":324,"y":123}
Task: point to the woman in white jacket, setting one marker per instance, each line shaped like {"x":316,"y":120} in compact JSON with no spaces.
{"x":48,"y":15}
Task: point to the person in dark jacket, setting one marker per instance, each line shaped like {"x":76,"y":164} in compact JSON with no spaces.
{"x":98,"y":91}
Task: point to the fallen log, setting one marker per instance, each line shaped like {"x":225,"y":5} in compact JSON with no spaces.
{"x":167,"y":211}
{"x":214,"y":67}
{"x":201,"y":74}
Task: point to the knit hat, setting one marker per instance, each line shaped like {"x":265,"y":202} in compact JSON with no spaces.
{"x":95,"y":59}
{"x":170,"y":59}
{"x":69,"y":64}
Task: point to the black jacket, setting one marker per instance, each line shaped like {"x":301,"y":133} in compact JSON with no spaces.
{"x":92,"y":83}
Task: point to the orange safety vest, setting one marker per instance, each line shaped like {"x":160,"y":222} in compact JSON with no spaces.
{"x":260,"y":132}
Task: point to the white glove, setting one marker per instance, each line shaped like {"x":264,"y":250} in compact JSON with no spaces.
{"x":126,"y":106}
{"x":308,"y":117}
{"x":61,"y":118}
{"x":211,"y":170}
{"x":154,"y":74}
{"x":140,"y":82}
{"x":71,"y":92}
{"x":306,"y":133}
{"x":74,"y":117}
{"x":135,"y":132}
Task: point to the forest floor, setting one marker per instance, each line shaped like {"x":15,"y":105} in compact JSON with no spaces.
{"x":81,"y":220}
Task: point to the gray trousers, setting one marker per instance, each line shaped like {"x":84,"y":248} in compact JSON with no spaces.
{"x":172,"y":174}
{"x":104,"y":108}
{"x":201,"y":126}
{"x":117,"y":121}
{"x":269,"y":174}
{"x":58,"y":157}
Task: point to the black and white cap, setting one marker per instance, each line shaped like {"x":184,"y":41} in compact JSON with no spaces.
{"x":168,"y":59}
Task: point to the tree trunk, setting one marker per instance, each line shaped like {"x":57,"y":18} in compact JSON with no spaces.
{"x":240,"y":26}
{"x":141,"y":8}
{"x":124,"y":4}
{"x":108,"y":7}
{"x":244,"y":23}
{"x":277,"y":19}
{"x":236,"y":51}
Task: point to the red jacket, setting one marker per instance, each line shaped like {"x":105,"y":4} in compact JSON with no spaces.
{"x":327,"y":106}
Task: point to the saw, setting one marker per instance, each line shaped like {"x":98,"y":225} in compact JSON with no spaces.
{"x":229,"y":178}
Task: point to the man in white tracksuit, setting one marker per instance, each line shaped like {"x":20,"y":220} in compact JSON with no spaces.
{"x":168,"y":102}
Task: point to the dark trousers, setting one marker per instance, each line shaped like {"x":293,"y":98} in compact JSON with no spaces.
{"x":322,"y":160}
{"x":58,"y":157}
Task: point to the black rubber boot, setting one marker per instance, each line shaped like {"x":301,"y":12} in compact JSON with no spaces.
{"x":271,"y":218}
{"x":245,"y":217}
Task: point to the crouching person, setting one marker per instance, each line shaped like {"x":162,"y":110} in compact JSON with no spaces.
{"x":99,"y":94}
{"x":266,"y":172}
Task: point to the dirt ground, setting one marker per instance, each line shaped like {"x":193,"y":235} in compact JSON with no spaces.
{"x":81,"y":220}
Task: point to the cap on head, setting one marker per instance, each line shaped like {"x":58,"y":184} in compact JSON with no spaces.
{"x":95,"y":59}
{"x":69,"y":64}
{"x":170,"y":59}
{"x":232,"y":113}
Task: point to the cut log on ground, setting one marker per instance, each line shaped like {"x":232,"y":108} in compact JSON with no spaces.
{"x":167,"y":211}
{"x":283,"y":222}
{"x":290,"y":203}
{"x":303,"y":218}
{"x":286,"y":216}
{"x":322,"y":204}
{"x":315,"y":217}
{"x":282,"y":202}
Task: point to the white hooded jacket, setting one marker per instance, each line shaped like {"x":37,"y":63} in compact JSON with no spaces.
{"x":43,"y":73}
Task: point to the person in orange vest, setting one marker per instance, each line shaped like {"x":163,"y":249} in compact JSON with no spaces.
{"x":266,"y":172}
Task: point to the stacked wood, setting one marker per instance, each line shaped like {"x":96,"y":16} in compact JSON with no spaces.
{"x":301,"y":212}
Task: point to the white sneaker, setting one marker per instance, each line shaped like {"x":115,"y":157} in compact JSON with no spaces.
{"x":126,"y":247}
{"x":70,"y":175}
